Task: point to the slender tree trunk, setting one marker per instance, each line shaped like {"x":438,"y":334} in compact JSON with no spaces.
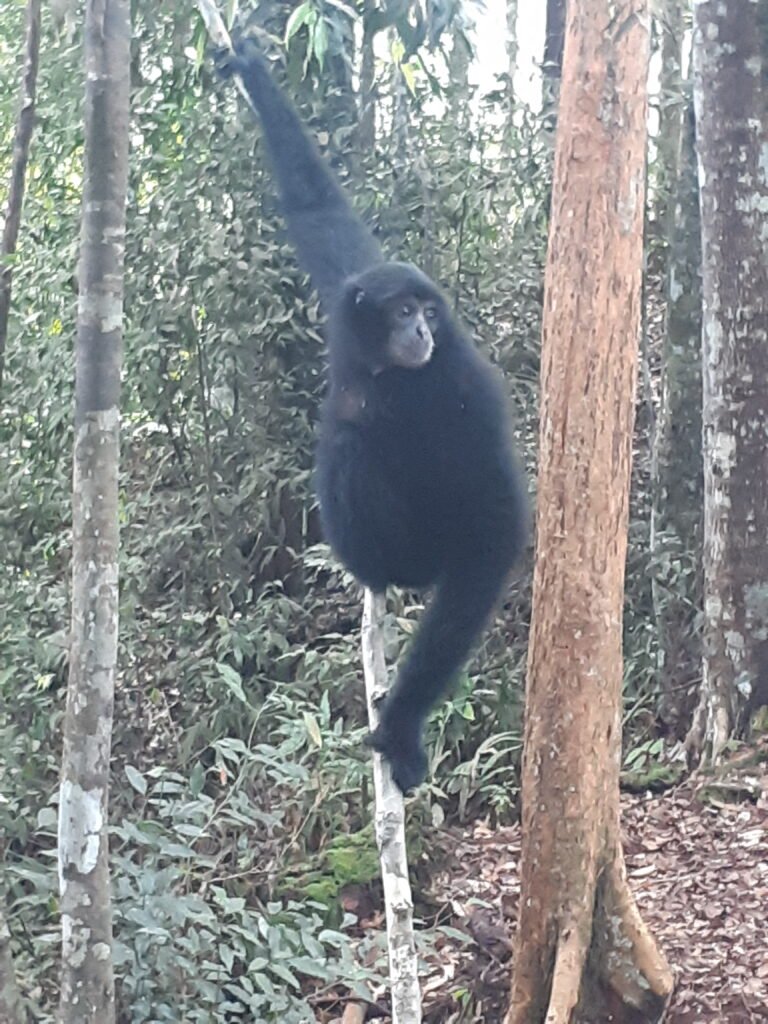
{"x":400,"y":148}
{"x":389,"y":824}
{"x":366,"y":131}
{"x":458,"y":73}
{"x":21,"y":144}
{"x":554,"y":40}
{"x":512,"y":51}
{"x":400,"y":118}
{"x":730,"y":94}
{"x":582,"y":951}
{"x":87,"y":985}
{"x":671,"y":105}
{"x":678,"y":481}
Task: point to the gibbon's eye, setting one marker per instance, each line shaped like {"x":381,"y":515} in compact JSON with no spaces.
{"x":406,"y":310}
{"x":430,"y":312}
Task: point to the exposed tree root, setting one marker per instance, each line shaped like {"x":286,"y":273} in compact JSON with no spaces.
{"x":571,"y":955}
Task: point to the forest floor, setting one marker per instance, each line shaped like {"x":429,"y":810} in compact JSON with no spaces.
{"x":697,"y":859}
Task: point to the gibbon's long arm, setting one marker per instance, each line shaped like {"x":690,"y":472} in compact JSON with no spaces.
{"x":331,"y":241}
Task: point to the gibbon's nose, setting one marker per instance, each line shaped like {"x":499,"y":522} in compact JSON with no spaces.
{"x":422,"y":331}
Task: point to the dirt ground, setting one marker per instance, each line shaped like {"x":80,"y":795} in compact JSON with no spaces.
{"x":697,"y":860}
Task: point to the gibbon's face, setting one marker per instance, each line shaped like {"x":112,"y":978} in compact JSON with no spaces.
{"x":395,"y":313}
{"x":410,"y":329}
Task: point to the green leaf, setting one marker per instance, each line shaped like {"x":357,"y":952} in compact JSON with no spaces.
{"x":310,"y":723}
{"x":232,"y":680}
{"x":47,"y":818}
{"x":197,"y":779}
{"x":409,"y":74}
{"x":136,"y":779}
{"x":311,"y":968}
{"x":282,"y":972}
{"x":227,"y":957}
{"x":301,"y":16}
{"x":320,"y":41}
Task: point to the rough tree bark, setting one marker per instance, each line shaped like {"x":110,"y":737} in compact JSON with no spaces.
{"x":730,"y":95}
{"x":87,"y":984}
{"x":21,"y":144}
{"x":582,"y":950}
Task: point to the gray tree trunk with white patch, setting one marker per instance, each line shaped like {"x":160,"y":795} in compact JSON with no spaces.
{"x":730,"y":95}
{"x":87,"y":984}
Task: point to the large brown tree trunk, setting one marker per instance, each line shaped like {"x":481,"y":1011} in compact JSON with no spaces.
{"x":582,"y":951}
{"x":87,"y":985}
{"x":731,"y":94}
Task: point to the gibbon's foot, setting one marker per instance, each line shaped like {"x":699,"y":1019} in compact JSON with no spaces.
{"x":404,"y":751}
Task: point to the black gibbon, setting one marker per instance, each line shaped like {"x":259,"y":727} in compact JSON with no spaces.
{"x":417,"y":480}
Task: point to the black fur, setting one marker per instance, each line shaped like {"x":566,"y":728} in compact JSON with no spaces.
{"x":417,"y":481}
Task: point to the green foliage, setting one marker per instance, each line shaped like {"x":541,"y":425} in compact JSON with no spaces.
{"x":323,"y":25}
{"x":193,"y":920}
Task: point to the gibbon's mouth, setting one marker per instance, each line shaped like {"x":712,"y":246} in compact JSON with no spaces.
{"x":413,"y":354}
